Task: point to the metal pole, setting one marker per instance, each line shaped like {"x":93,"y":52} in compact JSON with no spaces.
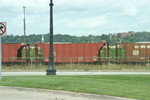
{"x":92,"y":39}
{"x":24,"y":23}
{"x":108,"y":63}
{"x":51,"y":70}
{"x":148,"y":62}
{"x":0,"y":60}
{"x":70,"y":63}
{"x":31,"y":62}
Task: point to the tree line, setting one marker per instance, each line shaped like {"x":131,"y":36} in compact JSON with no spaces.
{"x":31,"y":39}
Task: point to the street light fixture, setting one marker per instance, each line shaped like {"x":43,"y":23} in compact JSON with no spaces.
{"x":51,"y":70}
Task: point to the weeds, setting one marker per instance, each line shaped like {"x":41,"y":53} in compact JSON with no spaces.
{"x":78,"y":66}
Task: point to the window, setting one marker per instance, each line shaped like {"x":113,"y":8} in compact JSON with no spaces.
{"x":143,"y":46}
{"x":148,"y":46}
{"x":135,"y":52}
{"x":142,"y":57}
{"x":136,"y":46}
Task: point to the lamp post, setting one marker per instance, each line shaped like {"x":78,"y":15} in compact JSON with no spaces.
{"x":51,"y":70}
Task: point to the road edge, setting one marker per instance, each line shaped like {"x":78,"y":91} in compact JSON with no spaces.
{"x":74,"y":94}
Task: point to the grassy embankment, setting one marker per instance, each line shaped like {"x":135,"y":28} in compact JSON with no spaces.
{"x":130,"y":86}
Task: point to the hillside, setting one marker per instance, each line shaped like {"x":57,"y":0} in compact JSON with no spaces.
{"x":137,"y":37}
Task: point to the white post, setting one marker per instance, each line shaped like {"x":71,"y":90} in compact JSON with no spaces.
{"x":0,"y":60}
{"x":2,"y":30}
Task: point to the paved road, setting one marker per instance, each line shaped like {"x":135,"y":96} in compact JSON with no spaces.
{"x":17,"y":93}
{"x":71,"y":73}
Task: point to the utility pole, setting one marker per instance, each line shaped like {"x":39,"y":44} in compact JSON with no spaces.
{"x":92,"y":38}
{"x":51,"y":70}
{"x":24,"y":23}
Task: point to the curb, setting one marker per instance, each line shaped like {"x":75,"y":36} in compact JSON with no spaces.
{"x":73,"y":94}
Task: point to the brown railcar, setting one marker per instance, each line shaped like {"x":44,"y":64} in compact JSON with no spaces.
{"x":134,"y":52}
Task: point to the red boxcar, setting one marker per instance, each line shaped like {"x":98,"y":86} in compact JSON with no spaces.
{"x":70,"y":52}
{"x":12,"y":52}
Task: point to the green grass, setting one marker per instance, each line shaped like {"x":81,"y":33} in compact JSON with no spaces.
{"x":130,"y":86}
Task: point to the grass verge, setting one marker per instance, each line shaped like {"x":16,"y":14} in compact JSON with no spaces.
{"x":85,"y":67}
{"x":130,"y":86}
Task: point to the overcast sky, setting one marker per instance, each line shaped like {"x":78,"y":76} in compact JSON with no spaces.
{"x":76,"y":17}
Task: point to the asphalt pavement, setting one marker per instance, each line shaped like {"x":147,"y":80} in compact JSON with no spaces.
{"x":18,"y":93}
{"x":71,"y":73}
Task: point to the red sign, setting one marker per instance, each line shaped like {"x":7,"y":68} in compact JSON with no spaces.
{"x":2,"y":28}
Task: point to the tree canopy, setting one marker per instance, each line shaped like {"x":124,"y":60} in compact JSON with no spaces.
{"x":31,"y":39}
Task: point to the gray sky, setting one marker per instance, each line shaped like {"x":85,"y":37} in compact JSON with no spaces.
{"x":76,"y":17}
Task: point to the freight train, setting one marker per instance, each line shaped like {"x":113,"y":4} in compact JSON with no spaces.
{"x":75,"y":52}
{"x":133,"y":52}
{"x":13,"y":52}
{"x":78,"y":52}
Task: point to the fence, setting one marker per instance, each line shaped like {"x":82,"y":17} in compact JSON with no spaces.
{"x":78,"y":63}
